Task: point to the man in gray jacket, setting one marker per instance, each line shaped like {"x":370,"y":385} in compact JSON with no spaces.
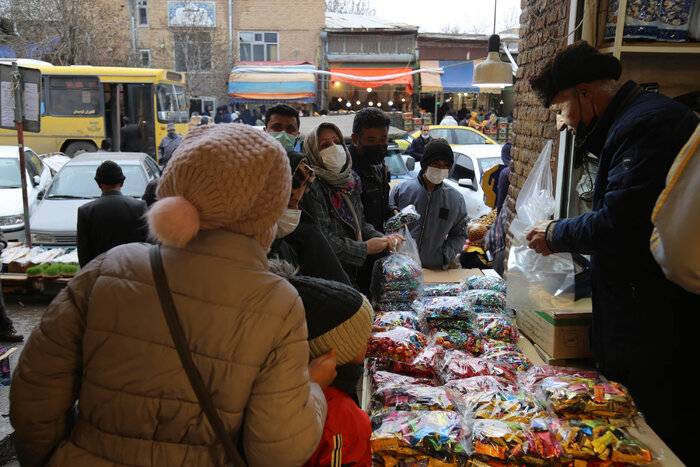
{"x":441,"y":231}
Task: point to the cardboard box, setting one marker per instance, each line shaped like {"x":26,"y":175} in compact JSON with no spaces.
{"x":561,"y":334}
{"x":432,"y":276}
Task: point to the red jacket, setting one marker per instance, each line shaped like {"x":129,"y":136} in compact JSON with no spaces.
{"x":346,"y":434}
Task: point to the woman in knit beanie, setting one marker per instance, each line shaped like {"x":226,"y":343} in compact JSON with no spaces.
{"x":335,"y":199}
{"x":104,"y":340}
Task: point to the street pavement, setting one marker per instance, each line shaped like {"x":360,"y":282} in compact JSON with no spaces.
{"x":25,"y":311}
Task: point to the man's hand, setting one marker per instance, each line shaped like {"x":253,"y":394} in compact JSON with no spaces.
{"x":538,"y":239}
{"x":376,"y":245}
{"x":322,"y":369}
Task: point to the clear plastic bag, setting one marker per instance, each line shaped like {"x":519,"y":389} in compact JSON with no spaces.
{"x":408,"y":247}
{"x":457,"y":364}
{"x":382,"y":379}
{"x":482,"y":383}
{"x":534,"y":281}
{"x":406,"y":216}
{"x":414,"y":397}
{"x":446,"y":307}
{"x":514,"y":443}
{"x":531,"y":378}
{"x":486,"y":301}
{"x":391,"y":319}
{"x":484,"y":283}
{"x":502,"y":405}
{"x":397,"y":280}
{"x":512,"y":356}
{"x":495,"y":326}
{"x":452,"y":339}
{"x":573,"y":396}
{"x":399,"y":344}
{"x":442,"y":290}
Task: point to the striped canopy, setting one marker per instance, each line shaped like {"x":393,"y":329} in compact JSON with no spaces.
{"x":285,"y":81}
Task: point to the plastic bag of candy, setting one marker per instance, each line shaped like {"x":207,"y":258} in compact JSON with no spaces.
{"x":494,"y":326}
{"x":402,"y":368}
{"x":514,"y":443}
{"x":392,"y":273}
{"x":391,"y":319}
{"x":434,"y":432}
{"x":442,"y":289}
{"x":429,"y":324}
{"x":572,"y":396}
{"x":406,"y":216}
{"x":446,"y":307}
{"x":400,"y":344}
{"x":384,"y":379}
{"x":392,"y":305}
{"x":484,"y":283}
{"x":457,"y":364}
{"x":486,"y":301}
{"x":594,"y":439}
{"x":414,"y":397}
{"x":530,"y":379}
{"x":508,"y":354}
{"x":452,"y":339}
{"x":482,"y":383}
{"x":502,"y":405}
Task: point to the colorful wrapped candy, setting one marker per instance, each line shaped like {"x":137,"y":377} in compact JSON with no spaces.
{"x":391,"y":305}
{"x":436,"y":433}
{"x":382,"y":379}
{"x":573,"y":396}
{"x":514,"y":443}
{"x":446,"y":307}
{"x":414,"y":397}
{"x":494,"y":326}
{"x":442,"y":290}
{"x":400,"y":344}
{"x":452,"y":339}
{"x":392,"y":319}
{"x":428,"y":322}
{"x":508,"y":354}
{"x":485,"y":283}
{"x":486,"y":301}
{"x":457,"y":365}
{"x":406,"y":216}
{"x":482,"y":383}
{"x":594,"y":439}
{"x":502,"y":405}
{"x":397,"y":280}
{"x":531,"y":378}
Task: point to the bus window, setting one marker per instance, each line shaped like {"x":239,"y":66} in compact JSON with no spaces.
{"x":166,"y":100}
{"x":74,"y":96}
{"x":182,"y":103}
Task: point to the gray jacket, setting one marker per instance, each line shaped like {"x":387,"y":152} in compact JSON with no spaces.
{"x":441,"y":231}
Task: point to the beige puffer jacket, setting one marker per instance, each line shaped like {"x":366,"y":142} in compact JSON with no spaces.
{"x":105,"y":342}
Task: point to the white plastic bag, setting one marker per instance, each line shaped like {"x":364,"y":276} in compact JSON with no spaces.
{"x":534,"y":281}
{"x":409,"y":247}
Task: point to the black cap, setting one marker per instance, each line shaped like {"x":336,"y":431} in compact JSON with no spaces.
{"x":109,"y":173}
{"x":437,"y":149}
{"x":574,"y":64}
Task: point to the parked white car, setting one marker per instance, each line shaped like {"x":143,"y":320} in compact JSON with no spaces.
{"x":11,"y":210}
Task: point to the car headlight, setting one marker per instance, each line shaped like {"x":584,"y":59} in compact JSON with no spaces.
{"x":42,"y":238}
{"x":15,"y":219}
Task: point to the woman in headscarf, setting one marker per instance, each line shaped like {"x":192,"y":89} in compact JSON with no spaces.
{"x":334,"y":198}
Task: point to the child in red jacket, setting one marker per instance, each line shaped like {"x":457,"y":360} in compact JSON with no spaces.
{"x":339,"y":317}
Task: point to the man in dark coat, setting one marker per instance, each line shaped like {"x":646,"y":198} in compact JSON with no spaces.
{"x":130,"y":135}
{"x":641,"y":320}
{"x":418,"y":144}
{"x":111,"y":220}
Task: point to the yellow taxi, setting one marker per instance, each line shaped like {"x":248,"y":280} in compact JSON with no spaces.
{"x":454,"y":135}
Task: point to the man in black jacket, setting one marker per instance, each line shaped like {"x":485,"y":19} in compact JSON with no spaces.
{"x":418,"y":144}
{"x":130,"y":135}
{"x":111,"y":220}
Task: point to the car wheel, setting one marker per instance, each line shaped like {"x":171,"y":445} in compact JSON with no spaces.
{"x":78,"y":147}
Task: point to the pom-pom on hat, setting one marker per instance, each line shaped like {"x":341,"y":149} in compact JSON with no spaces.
{"x":337,"y":317}
{"x":232,"y":177}
{"x":109,"y":173}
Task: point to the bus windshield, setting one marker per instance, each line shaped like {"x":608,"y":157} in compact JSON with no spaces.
{"x":170,"y":100}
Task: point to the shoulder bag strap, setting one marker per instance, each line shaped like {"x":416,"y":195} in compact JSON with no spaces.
{"x":178,"y":336}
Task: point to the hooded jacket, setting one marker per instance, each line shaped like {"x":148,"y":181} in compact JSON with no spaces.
{"x":104,"y":342}
{"x":441,"y":231}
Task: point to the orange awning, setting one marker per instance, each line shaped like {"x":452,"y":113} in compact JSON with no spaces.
{"x":406,"y":80}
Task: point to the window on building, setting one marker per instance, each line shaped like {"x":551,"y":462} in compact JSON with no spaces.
{"x":142,"y":13}
{"x":145,"y":56}
{"x":258,"y":46}
{"x":192,"y":51}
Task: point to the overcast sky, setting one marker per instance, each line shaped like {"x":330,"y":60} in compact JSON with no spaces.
{"x":432,"y":15}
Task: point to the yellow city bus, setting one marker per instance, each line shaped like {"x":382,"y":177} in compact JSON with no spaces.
{"x":83,"y":105}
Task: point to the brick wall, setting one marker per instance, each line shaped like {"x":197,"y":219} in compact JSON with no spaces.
{"x":542,"y":31}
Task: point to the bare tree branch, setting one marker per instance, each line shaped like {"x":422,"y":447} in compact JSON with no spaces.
{"x":355,"y":7}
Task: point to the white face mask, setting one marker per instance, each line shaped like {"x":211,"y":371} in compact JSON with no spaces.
{"x":334,"y":158}
{"x":435,"y":175}
{"x":288,"y":222}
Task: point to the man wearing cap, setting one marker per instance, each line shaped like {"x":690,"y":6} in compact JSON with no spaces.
{"x":112,"y":219}
{"x":441,"y":231}
{"x":639,"y":317}
{"x":168,"y":145}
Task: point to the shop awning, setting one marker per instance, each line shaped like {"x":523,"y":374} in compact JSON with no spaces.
{"x":384,"y":75}
{"x":456,"y":76}
{"x":285,"y":81}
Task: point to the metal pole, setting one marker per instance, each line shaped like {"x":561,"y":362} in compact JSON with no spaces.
{"x":17,"y":83}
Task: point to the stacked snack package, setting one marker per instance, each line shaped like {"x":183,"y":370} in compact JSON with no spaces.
{"x":485,"y":301}
{"x":446,"y":313}
{"x":442,"y":289}
{"x":641,"y":20}
{"x":484,"y":283}
{"x":397,"y":281}
{"x":674,"y":20}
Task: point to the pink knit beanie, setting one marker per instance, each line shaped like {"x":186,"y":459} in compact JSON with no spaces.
{"x":229,"y":176}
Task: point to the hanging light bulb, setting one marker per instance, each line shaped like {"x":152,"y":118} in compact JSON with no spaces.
{"x":403,"y":99}
{"x":348,"y":104}
{"x":492,"y":72}
{"x":357,"y":102}
{"x":340,"y":99}
{"x":390,"y":103}
{"x":379,"y":104}
{"x":369,"y":89}
{"x":370,"y":103}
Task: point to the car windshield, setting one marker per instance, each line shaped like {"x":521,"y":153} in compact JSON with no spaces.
{"x":9,"y":174}
{"x":395,"y":163}
{"x":468,"y":137}
{"x":488,"y":162}
{"x":78,"y":181}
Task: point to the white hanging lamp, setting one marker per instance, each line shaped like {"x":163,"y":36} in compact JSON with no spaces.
{"x":492,"y":72}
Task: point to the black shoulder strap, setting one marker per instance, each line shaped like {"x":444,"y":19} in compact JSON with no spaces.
{"x":178,"y":336}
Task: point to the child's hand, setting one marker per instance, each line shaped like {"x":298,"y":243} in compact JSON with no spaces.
{"x":322,"y":369}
